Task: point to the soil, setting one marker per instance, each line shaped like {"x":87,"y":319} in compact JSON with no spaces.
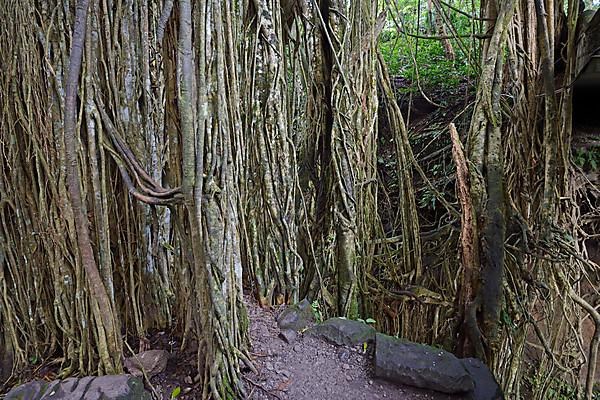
{"x":311,"y":369}
{"x":180,"y":372}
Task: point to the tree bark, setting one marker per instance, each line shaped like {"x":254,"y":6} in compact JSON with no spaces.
{"x":104,"y":313}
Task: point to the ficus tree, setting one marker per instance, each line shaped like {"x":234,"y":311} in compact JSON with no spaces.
{"x":162,"y":163}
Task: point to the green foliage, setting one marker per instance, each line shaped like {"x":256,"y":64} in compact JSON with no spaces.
{"x":425,"y":59}
{"x":587,"y":159}
{"x":507,"y":320}
{"x":395,"y":54}
{"x":175,"y":393}
{"x":432,"y":67}
{"x":316,"y":308}
{"x":427,"y":196}
{"x":560,"y":390}
{"x":428,"y":199}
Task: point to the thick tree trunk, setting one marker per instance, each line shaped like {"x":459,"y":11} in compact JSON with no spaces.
{"x":487,"y":191}
{"x":106,"y":318}
{"x":269,"y":161}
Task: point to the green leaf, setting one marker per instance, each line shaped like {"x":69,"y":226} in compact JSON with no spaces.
{"x":175,"y":392}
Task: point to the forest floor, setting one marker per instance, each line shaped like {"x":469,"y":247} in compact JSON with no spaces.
{"x":311,"y":369}
{"x":306,"y":369}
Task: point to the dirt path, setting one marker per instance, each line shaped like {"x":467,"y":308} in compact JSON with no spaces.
{"x":310,"y":369}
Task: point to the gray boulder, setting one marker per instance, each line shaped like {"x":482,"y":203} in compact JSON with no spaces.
{"x":296,"y":317}
{"x":419,"y":365}
{"x":344,"y":332}
{"x":31,"y":390}
{"x":486,"y":387}
{"x":109,"y":387}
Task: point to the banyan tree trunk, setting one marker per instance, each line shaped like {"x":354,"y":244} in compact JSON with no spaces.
{"x":119,"y":176}
{"x":484,"y":277}
{"x":270,"y":176}
{"x":341,"y":148}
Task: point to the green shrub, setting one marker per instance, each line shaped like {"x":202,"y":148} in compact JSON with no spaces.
{"x":428,"y":60}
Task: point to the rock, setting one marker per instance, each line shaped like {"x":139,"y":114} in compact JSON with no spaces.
{"x":344,"y":332}
{"x":419,"y":365}
{"x":486,"y":387}
{"x":285,"y":373}
{"x":296,"y":317}
{"x":288,"y":335}
{"x":109,"y":387}
{"x":151,"y":362}
{"x":31,"y":390}
{"x":344,"y":354}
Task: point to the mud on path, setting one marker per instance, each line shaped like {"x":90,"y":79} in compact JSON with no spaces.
{"x":310,"y":369}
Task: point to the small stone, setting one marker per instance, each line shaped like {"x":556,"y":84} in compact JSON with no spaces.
{"x":284,"y":373}
{"x":297,"y":348}
{"x":269,"y":366}
{"x":344,"y":355}
{"x":188,"y":380}
{"x":348,"y":378}
{"x":296,"y":317}
{"x":370,"y":382}
{"x":288,"y":335}
{"x":345,"y":366}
